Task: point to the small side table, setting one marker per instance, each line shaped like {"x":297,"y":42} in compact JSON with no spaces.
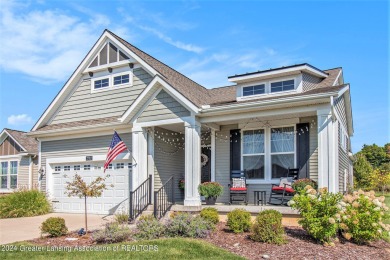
{"x":260,"y":196}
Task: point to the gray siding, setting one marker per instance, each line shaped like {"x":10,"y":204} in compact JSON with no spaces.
{"x":339,"y":104}
{"x":84,"y":105}
{"x":222,"y":161}
{"x":163,"y":107}
{"x":309,"y":81}
{"x":343,"y":162}
{"x":23,"y":171}
{"x":77,"y":147}
{"x":167,"y":163}
{"x":313,"y":160}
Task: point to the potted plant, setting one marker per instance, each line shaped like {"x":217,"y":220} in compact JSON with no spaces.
{"x":210,"y":190}
{"x":181,"y":184}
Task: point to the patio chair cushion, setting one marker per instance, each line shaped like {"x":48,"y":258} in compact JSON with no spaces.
{"x":238,"y":189}
{"x":287,"y":181}
{"x":281,"y":189}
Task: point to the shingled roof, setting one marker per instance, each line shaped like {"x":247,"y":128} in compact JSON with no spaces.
{"x":29,"y":143}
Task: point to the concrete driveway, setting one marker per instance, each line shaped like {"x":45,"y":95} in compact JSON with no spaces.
{"x":20,"y":229}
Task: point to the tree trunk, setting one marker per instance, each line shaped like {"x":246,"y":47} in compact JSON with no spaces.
{"x":86,"y":223}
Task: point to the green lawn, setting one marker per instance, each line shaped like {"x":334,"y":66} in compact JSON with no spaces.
{"x":174,"y":248}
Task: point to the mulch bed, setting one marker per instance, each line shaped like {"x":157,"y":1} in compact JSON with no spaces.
{"x":299,"y":246}
{"x":61,"y":241}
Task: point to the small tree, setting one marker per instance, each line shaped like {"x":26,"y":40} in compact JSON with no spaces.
{"x":362,"y":171}
{"x":78,"y":187}
{"x":382,"y":177}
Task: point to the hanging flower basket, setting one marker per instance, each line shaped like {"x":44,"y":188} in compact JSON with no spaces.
{"x":181,"y":184}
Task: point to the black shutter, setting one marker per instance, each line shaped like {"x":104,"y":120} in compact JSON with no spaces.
{"x":303,"y":149}
{"x":235,"y":150}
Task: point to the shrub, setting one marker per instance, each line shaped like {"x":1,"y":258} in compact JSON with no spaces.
{"x":302,"y":183}
{"x":24,"y":203}
{"x":239,"y":220}
{"x":360,"y":216}
{"x":268,"y":227}
{"x":210,"y":214}
{"x":318,"y":211}
{"x":210,"y":189}
{"x":55,"y":227}
{"x":148,"y":227}
{"x":112,"y":233}
{"x":121,"y":217}
{"x":186,"y":225}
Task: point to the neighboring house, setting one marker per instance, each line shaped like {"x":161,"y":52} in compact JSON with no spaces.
{"x":267,"y":122}
{"x":18,"y":161}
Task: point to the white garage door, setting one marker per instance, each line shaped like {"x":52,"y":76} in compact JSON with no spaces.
{"x":113,"y":199}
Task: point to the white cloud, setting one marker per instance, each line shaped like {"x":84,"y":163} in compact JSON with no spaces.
{"x":169,"y":40}
{"x":46,"y":45}
{"x":17,"y":120}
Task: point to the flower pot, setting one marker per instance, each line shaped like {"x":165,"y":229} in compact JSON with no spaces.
{"x":211,"y":200}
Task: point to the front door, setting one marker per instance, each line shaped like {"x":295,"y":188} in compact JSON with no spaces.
{"x":206,"y":164}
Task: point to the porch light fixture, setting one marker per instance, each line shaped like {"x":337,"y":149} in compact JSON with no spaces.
{"x":110,"y":70}
{"x":131,"y":65}
{"x":90,"y":74}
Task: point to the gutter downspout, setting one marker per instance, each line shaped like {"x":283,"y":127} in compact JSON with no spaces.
{"x":30,"y":172}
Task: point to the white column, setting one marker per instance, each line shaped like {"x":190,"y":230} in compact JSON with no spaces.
{"x":327,"y":150}
{"x":192,"y":164}
{"x":212,"y":155}
{"x":140,"y":158}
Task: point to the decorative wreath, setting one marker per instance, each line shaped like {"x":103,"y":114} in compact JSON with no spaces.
{"x":204,"y":159}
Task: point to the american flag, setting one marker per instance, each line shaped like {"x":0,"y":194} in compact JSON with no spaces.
{"x":117,"y":146}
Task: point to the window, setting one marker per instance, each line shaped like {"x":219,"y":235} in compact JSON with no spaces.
{"x":129,"y":165}
{"x":253,"y":90}
{"x":66,"y":168}
{"x":9,"y":175}
{"x":120,"y":165}
{"x":4,"y":175}
{"x":76,"y":167}
{"x":101,"y":83}
{"x":253,"y":153}
{"x":282,"y":85}
{"x":98,"y":167}
{"x":57,"y":168}
{"x":282,"y":151}
{"x":122,"y":79}
{"x":110,"y":166}
{"x":87,"y":167}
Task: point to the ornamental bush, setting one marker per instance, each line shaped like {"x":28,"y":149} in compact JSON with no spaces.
{"x":55,"y":227}
{"x":148,"y":227}
{"x":24,"y":203}
{"x":112,"y":233}
{"x":268,"y":228}
{"x":360,"y":216}
{"x":239,"y":220}
{"x":318,"y":211}
{"x":210,"y":214}
{"x":302,"y":183}
{"x":186,"y":225}
{"x":210,"y":189}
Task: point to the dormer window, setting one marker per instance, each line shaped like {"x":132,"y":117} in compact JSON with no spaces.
{"x":253,"y":90}
{"x":282,"y":86}
{"x":112,"y":81}
{"x":122,"y":79}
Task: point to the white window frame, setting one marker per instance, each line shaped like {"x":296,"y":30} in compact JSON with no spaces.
{"x":89,"y":166}
{"x":67,"y":167}
{"x":267,"y":154}
{"x":283,"y":91}
{"x":8,"y":188}
{"x":55,"y":170}
{"x":253,"y":85}
{"x":110,"y":78}
{"x":121,"y":164}
{"x":77,"y":165}
{"x":254,"y":154}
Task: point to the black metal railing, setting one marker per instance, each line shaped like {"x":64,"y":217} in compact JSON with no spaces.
{"x":140,"y":198}
{"x":164,"y":198}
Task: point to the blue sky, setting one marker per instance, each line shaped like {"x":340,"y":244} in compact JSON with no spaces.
{"x":42,"y":42}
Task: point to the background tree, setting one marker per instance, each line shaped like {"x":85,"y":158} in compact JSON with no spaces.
{"x":375,"y":155}
{"x":363,"y":172}
{"x":78,"y":187}
{"x":381,"y":177}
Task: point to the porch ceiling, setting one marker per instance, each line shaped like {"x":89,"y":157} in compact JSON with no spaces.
{"x":174,"y":127}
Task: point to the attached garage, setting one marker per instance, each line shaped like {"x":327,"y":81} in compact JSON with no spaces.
{"x":114,"y":199}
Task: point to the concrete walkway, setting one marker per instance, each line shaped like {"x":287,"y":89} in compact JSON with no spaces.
{"x":20,"y":229}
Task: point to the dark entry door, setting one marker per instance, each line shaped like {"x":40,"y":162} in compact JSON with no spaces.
{"x":206,"y":165}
